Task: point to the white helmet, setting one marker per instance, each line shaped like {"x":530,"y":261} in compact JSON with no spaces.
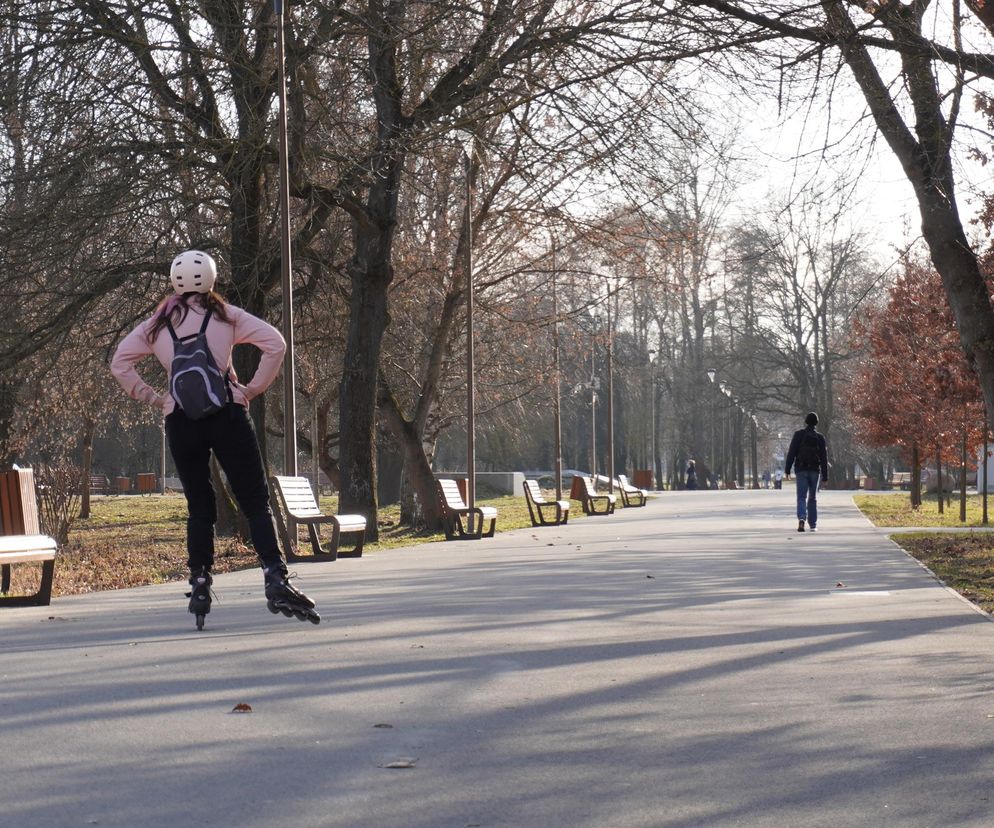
{"x":193,"y":271}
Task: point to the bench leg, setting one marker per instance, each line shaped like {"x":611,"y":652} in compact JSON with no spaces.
{"x":356,"y":550}
{"x":329,"y":554}
{"x":5,"y":578}
{"x":42,"y":598}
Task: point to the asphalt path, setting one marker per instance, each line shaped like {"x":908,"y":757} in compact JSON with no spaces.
{"x":696,"y":662}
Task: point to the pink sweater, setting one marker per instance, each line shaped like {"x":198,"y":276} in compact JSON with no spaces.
{"x":221,"y":338}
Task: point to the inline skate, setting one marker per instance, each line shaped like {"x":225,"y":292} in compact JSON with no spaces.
{"x":200,"y":594}
{"x":282,"y":596}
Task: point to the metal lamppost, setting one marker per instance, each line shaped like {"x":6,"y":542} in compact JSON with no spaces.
{"x":755,"y":452}
{"x":711,"y":375}
{"x":610,"y":399}
{"x":289,"y":379}
{"x":557,"y":403}
{"x":467,"y":140}
{"x":652,"y":419}
{"x":724,"y":431}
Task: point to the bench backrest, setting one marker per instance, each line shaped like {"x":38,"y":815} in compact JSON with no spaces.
{"x":588,"y":485}
{"x":18,"y":507}
{"x":297,"y":497}
{"x":623,"y":481}
{"x":450,"y":495}
{"x":534,"y":491}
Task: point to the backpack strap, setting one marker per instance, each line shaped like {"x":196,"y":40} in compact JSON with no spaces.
{"x":203,"y":328}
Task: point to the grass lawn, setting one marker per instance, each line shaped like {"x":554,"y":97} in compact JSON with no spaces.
{"x":964,"y":562}
{"x":895,"y":510}
{"x":133,"y":541}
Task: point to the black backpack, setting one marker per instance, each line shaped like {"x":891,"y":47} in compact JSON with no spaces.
{"x":196,"y":384}
{"x":808,"y":456}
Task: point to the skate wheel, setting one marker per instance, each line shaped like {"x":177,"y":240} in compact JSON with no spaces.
{"x":287,"y":612}
{"x":272,"y":608}
{"x":200,"y":621}
{"x":314,"y":619}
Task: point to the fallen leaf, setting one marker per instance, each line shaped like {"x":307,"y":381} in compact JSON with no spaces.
{"x":398,"y":764}
{"x":650,"y":576}
{"x":840,"y":584}
{"x":383,"y":725}
{"x":241,"y":707}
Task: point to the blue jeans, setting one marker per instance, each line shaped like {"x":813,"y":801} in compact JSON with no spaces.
{"x":807,"y":495}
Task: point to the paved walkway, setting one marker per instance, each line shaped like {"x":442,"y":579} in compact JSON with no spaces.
{"x":692,"y":663}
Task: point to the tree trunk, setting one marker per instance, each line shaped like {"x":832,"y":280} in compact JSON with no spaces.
{"x":371,"y":275}
{"x":916,"y":476}
{"x":962,"y":480}
{"x":925,"y":157}
{"x":89,"y":428}
{"x":417,"y":469}
{"x":938,"y":490}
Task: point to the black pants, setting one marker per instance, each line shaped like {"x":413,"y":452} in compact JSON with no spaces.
{"x":230,"y":435}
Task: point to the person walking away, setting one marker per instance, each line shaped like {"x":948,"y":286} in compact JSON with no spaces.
{"x":778,"y":479}
{"x":192,"y":334}
{"x":808,"y":456}
{"x":691,"y":475}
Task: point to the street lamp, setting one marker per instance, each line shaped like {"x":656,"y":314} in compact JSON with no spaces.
{"x":289,"y":379}
{"x":557,"y":404}
{"x":610,"y":399}
{"x":466,"y":139}
{"x":711,"y":375}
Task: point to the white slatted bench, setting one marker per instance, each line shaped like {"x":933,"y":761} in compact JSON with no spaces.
{"x":592,"y":502}
{"x":538,"y":505}
{"x":454,"y":510}
{"x":17,"y":549}
{"x":297,"y":504}
{"x":20,"y":541}
{"x":631,"y":495}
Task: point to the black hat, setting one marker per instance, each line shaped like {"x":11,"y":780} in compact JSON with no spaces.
{"x":811,"y":419}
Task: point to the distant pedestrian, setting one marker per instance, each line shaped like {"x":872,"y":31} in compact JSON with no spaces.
{"x":206,"y":411}
{"x":808,"y":456}
{"x":778,"y":479}
{"x":691,"y":475}
{"x":766,"y":478}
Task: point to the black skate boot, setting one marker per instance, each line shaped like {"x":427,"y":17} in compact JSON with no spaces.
{"x":282,"y":596}
{"x":200,"y":594}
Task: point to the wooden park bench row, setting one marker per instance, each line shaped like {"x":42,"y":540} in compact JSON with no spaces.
{"x":21,"y":540}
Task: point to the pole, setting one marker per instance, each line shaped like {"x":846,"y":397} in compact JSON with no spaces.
{"x":610,"y":399}
{"x":163,"y":475}
{"x":652,"y":424}
{"x":470,"y":359}
{"x":593,"y":408}
{"x":986,"y":460}
{"x":557,"y":404}
{"x":289,"y":379}
{"x":315,"y":448}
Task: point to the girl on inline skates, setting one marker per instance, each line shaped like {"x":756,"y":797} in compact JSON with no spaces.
{"x":192,"y":334}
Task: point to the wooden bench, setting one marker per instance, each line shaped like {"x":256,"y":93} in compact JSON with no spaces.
{"x":21,"y":540}
{"x":593,"y":503}
{"x":631,"y":495}
{"x":296,"y":502}
{"x":537,"y":504}
{"x":98,"y":484}
{"x":454,"y":509}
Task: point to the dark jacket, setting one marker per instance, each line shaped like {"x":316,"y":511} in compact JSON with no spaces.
{"x":795,"y":445}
